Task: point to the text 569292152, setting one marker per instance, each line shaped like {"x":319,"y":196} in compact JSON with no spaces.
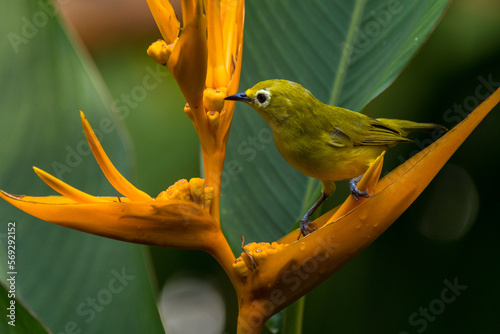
{"x":11,"y":273}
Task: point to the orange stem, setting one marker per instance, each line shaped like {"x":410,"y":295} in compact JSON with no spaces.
{"x":251,"y":318}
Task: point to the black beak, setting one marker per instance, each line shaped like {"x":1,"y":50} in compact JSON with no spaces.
{"x":239,"y":97}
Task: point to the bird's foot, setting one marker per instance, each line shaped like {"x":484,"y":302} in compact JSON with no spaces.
{"x":355,"y":192}
{"x":306,"y":227}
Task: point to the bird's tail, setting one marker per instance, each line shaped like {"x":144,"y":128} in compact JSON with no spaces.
{"x":408,"y":126}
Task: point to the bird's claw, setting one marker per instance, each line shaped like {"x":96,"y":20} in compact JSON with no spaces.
{"x":306,"y":228}
{"x":355,"y":192}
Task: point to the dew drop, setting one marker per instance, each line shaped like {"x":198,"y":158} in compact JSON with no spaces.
{"x":302,"y":246}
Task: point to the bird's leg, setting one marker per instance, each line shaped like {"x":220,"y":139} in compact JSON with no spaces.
{"x":304,"y":222}
{"x":355,"y":192}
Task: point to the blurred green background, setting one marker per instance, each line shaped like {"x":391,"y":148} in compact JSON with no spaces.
{"x":449,"y":234}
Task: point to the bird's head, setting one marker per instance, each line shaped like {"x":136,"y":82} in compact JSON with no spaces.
{"x":276,"y":99}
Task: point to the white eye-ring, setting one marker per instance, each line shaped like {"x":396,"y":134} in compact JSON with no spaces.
{"x":262,"y":98}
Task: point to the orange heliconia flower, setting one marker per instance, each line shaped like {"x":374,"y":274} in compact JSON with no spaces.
{"x":165,"y":221}
{"x":284,"y":276}
{"x":204,"y":56}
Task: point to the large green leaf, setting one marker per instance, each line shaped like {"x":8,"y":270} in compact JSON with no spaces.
{"x":18,"y":318}
{"x":346,"y":53}
{"x":70,"y":279}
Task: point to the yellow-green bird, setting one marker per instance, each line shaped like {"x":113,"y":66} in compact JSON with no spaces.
{"x":322,"y":141}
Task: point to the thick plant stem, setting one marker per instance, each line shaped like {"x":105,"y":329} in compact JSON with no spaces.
{"x":250,"y":319}
{"x":222,"y":252}
{"x":213,"y":163}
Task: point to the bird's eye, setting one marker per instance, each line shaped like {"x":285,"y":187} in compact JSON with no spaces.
{"x":261,"y":97}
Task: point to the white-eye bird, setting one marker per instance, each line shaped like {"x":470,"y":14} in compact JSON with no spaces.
{"x":324,"y":142}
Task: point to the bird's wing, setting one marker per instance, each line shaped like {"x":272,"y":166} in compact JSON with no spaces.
{"x":375,"y":132}
{"x":338,"y":138}
{"x":348,"y":128}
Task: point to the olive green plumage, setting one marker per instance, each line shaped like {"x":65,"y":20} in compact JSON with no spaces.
{"x":322,"y":141}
